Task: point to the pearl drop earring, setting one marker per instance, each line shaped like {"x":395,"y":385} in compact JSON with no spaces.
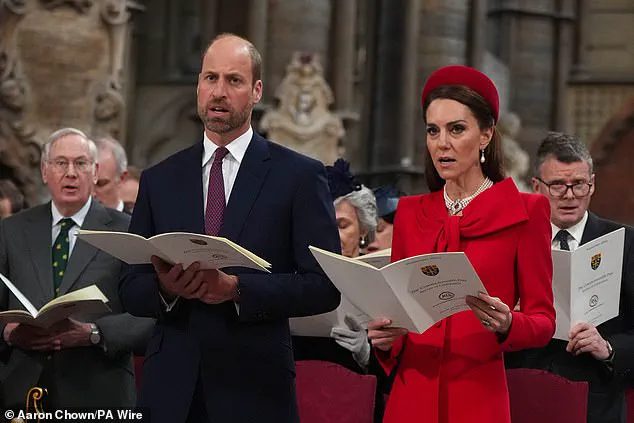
{"x":482,"y":159}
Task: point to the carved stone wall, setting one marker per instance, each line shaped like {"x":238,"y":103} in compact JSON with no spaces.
{"x":302,"y":120}
{"x":62,"y":64}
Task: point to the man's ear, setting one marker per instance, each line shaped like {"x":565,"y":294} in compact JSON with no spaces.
{"x":535,"y":185}
{"x":44,"y":171}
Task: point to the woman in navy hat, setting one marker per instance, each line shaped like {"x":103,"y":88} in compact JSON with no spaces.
{"x":454,"y":371}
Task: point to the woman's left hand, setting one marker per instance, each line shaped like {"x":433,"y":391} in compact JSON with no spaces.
{"x":492,"y":312}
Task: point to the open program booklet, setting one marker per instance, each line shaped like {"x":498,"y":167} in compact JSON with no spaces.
{"x":175,"y":247}
{"x":415,"y":292}
{"x":321,"y":324}
{"x":87,"y":300}
{"x":587,"y":282}
{"x":377,"y":259}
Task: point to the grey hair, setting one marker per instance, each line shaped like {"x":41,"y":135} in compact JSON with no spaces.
{"x":60,"y":133}
{"x":364,"y":204}
{"x":563,"y":147}
{"x":117,"y":150}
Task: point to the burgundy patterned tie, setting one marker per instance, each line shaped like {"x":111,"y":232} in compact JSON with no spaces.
{"x":215,"y":194}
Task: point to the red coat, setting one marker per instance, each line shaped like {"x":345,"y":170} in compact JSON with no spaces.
{"x":454,"y":372}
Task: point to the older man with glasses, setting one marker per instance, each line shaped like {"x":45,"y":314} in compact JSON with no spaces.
{"x":603,"y":355}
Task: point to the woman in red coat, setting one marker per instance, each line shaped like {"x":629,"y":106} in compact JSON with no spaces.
{"x":454,"y":372}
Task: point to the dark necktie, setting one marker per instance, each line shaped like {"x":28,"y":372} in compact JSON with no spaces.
{"x":215,"y":194}
{"x":61,"y":249}
{"x":562,"y":237}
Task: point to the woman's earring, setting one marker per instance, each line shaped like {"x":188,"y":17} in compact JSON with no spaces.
{"x":482,"y":159}
{"x":363,"y":242}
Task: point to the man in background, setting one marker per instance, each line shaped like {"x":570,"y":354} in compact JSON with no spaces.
{"x":84,"y":361}
{"x":113,"y":168}
{"x":11,"y":199}
{"x":601,"y":355}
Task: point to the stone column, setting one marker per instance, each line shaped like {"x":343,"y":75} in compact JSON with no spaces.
{"x":527,"y":43}
{"x":477,"y":33}
{"x":410,"y":93}
{"x":258,"y":20}
{"x":294,"y":25}
{"x":563,"y":46}
{"x":343,"y":56}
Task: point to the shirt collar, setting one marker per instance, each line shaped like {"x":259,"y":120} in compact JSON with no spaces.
{"x":237,"y":148}
{"x":78,"y":217}
{"x":576,"y":230}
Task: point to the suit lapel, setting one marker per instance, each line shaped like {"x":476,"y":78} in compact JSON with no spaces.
{"x":592,"y":229}
{"x":83,"y":253}
{"x":253,"y":170}
{"x":38,"y":235}
{"x":191,"y":215}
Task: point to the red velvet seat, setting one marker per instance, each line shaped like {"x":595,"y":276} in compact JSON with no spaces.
{"x":629,"y":399}
{"x":138,"y":370}
{"x":543,"y":397}
{"x":330,"y":393}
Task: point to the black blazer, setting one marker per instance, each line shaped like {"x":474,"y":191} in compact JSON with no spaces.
{"x":279,"y":205}
{"x":606,"y":400}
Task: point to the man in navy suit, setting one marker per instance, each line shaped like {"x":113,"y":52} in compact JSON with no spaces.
{"x":601,"y":355}
{"x":221,"y":350}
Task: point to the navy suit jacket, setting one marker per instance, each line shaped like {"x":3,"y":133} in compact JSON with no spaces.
{"x":279,"y":205}
{"x":606,"y":399}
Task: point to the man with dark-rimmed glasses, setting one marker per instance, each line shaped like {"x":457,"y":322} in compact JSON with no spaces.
{"x":603,"y":355}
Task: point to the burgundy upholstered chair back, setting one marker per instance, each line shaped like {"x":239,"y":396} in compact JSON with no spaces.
{"x":543,"y":397}
{"x":330,"y":393}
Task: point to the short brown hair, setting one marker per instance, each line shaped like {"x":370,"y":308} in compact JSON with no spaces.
{"x":493,"y":165}
{"x":256,"y":57}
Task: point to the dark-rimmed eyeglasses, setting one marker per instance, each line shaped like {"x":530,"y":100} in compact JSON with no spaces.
{"x":559,"y":189}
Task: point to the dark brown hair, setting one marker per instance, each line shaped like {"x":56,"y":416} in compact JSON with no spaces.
{"x":493,"y":165}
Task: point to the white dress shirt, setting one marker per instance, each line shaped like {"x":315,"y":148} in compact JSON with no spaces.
{"x":230,"y":165}
{"x":78,"y":218}
{"x":575,"y":231}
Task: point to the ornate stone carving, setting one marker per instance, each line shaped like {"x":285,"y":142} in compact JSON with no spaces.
{"x":61,"y":64}
{"x":302,"y":120}
{"x":516,"y":160}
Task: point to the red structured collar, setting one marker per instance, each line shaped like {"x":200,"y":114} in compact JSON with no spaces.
{"x":497,"y":208}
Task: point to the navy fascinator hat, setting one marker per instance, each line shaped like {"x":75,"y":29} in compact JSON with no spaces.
{"x":386,"y":200}
{"x":340,"y":180}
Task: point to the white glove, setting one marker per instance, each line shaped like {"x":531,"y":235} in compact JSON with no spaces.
{"x":354,"y":338}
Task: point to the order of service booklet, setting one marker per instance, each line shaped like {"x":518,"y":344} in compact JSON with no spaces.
{"x":85,"y":300}
{"x":377,"y":259}
{"x":211,"y":252}
{"x":414,"y":293}
{"x":321,"y":324}
{"x":587,"y":282}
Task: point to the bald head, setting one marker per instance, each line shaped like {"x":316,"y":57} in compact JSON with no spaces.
{"x":228,"y":40}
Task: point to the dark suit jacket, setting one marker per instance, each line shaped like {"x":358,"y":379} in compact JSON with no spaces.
{"x":86,"y":376}
{"x":279,"y":204}
{"x":606,"y":401}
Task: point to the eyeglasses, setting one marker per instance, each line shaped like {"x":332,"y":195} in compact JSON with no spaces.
{"x":559,"y":189}
{"x":62,"y":165}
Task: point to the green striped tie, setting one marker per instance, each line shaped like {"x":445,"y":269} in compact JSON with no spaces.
{"x":61,"y":253}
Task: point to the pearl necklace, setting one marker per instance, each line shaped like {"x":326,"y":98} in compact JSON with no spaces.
{"x":456,"y":206}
